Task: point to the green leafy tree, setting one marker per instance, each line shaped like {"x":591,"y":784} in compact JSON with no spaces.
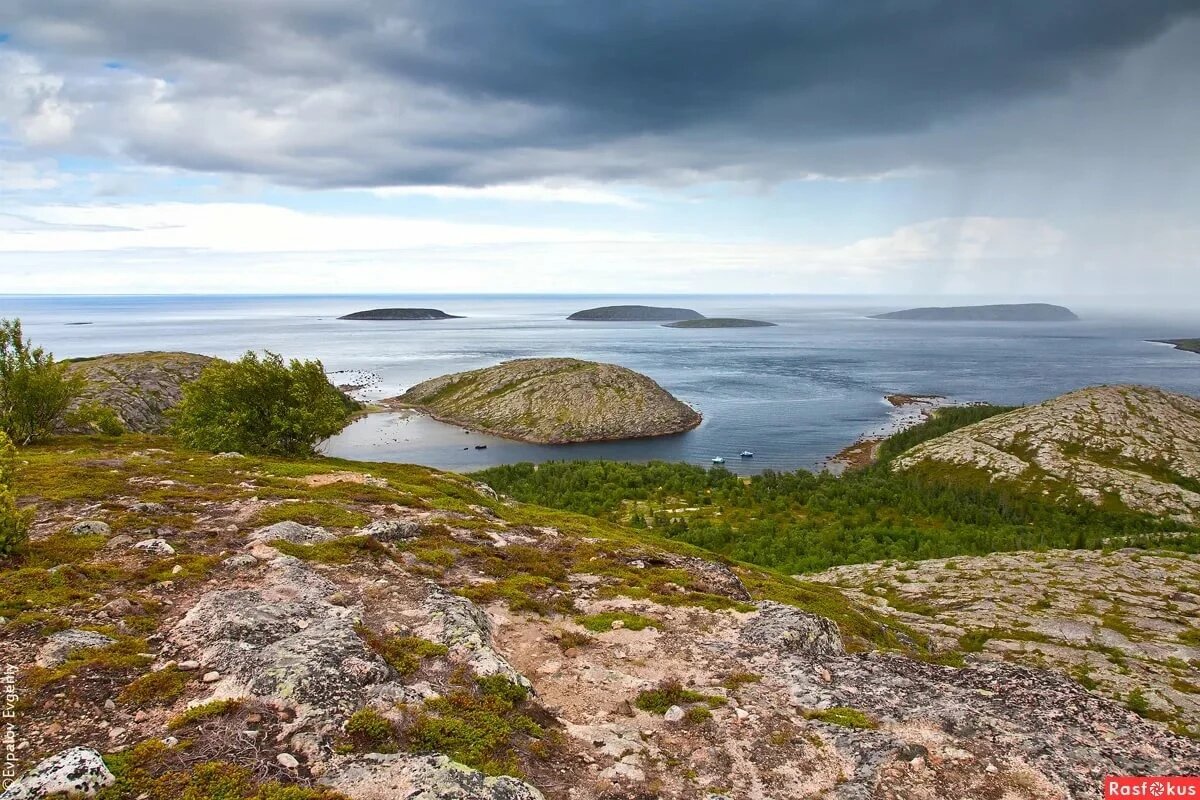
{"x":14,"y":523}
{"x":260,"y":405}
{"x":35,"y":390}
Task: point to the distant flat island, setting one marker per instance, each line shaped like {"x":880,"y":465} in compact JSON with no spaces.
{"x":1017,"y":312}
{"x":719,"y":322}
{"x":635,"y":314}
{"x":1190,"y":345}
{"x":401,"y":314}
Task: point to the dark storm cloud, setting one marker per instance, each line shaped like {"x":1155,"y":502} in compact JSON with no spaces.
{"x":445,"y":91}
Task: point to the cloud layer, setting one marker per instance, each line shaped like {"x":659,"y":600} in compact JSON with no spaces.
{"x":448,"y":92}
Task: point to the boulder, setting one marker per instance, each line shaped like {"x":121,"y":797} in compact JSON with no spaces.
{"x":782,"y":628}
{"x":90,"y":527}
{"x":76,"y":772}
{"x":290,"y":531}
{"x":384,"y":777}
{"x":159,"y":547}
{"x":464,"y":628}
{"x":390,"y":530}
{"x":62,"y":645}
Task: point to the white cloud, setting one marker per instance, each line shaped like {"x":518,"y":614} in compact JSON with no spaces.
{"x":517,"y":192}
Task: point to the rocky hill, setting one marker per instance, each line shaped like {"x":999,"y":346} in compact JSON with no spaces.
{"x":400,"y":314}
{"x":635,"y":314}
{"x":1187,"y":345}
{"x":1135,"y":446}
{"x":553,"y":400}
{"x":1018,"y":312}
{"x":139,"y":387}
{"x":345,"y":630}
{"x":719,"y":322}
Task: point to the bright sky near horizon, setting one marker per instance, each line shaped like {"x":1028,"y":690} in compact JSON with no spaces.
{"x":633,"y":146}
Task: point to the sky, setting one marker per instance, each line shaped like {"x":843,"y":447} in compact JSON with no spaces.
{"x":1028,"y":150}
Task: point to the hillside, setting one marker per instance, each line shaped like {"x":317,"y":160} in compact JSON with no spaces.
{"x":1188,"y":345}
{"x":1019,"y":312}
{"x":553,"y":400}
{"x":635,"y":314}
{"x":400,"y":314}
{"x":719,"y":322}
{"x":139,"y":387}
{"x":340,"y":628}
{"x":1131,"y":446}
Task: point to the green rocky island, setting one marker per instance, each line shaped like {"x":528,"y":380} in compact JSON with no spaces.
{"x":393,"y":314}
{"x":635,"y":314}
{"x":719,"y":322}
{"x":553,"y":401}
{"x":1010,"y":312}
{"x":1188,"y":345}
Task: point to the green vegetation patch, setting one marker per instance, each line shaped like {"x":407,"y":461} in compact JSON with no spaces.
{"x":368,"y":731}
{"x":844,"y":716}
{"x":322,"y":514}
{"x":671,"y":692}
{"x":403,"y":653}
{"x":205,"y":711}
{"x":605,"y":619}
{"x":343,"y":550}
{"x":159,"y":688}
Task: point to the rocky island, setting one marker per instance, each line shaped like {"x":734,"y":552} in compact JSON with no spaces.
{"x":393,"y":314}
{"x":719,"y":322}
{"x":1018,"y":312}
{"x":1187,"y":345}
{"x":553,"y":401}
{"x":635,"y":314}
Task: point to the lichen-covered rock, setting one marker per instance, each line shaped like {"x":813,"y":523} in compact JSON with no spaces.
{"x":787,"y":629}
{"x":283,"y":640}
{"x":1119,"y":442}
{"x":90,"y":527}
{"x":386,"y":777}
{"x":62,"y":645}
{"x":139,"y":387}
{"x":462,"y":627}
{"x":391,"y":530}
{"x":159,"y":547}
{"x":76,"y":772}
{"x":553,"y":401}
{"x":293,"y":532}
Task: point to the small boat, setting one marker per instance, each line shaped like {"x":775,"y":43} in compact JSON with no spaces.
{"x":747,"y":454}
{"x":718,"y":460}
{"x":481,"y":447}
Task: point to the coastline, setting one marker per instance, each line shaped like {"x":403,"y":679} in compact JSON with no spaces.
{"x":909,"y":410}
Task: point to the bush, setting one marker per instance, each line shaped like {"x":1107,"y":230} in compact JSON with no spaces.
{"x":96,"y":417}
{"x":14,"y":523}
{"x":260,"y":405}
{"x":35,"y":390}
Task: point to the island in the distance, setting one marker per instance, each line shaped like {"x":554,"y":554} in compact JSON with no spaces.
{"x":635,"y":314}
{"x":553,"y":401}
{"x":719,"y":322}
{"x":1188,"y":345}
{"x":401,"y":314}
{"x":1014,"y":312}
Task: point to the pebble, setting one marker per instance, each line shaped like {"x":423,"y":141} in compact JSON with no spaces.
{"x":109,"y":705}
{"x":617,"y":624}
{"x":287,"y":760}
{"x":674,"y":714}
{"x":211,"y":677}
{"x":188,"y":666}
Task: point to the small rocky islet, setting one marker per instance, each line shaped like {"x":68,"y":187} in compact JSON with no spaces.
{"x":1003,"y":312}
{"x":719,"y":322}
{"x":635,"y":313}
{"x":553,"y":401}
{"x":400,"y":314}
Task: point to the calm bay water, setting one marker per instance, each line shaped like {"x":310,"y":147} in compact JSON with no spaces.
{"x":793,"y":394}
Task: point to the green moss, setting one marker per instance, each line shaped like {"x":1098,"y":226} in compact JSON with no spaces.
{"x":123,"y":658}
{"x":328,"y":515}
{"x":736,"y":680}
{"x":343,"y":550}
{"x":605,"y":619}
{"x":485,"y":724}
{"x":202,"y":712}
{"x":672,"y":693}
{"x":368,"y":731}
{"x":155,"y":688}
{"x":697,"y":715}
{"x":403,"y":653}
{"x":844,"y":716}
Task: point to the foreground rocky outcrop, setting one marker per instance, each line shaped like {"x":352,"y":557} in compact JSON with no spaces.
{"x":1011,"y":312}
{"x":344,"y":637}
{"x":1133,"y":445}
{"x":553,"y":401}
{"x":139,"y":387}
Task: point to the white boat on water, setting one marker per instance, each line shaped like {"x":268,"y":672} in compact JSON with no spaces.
{"x":718,"y":460}
{"x":747,"y":454}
